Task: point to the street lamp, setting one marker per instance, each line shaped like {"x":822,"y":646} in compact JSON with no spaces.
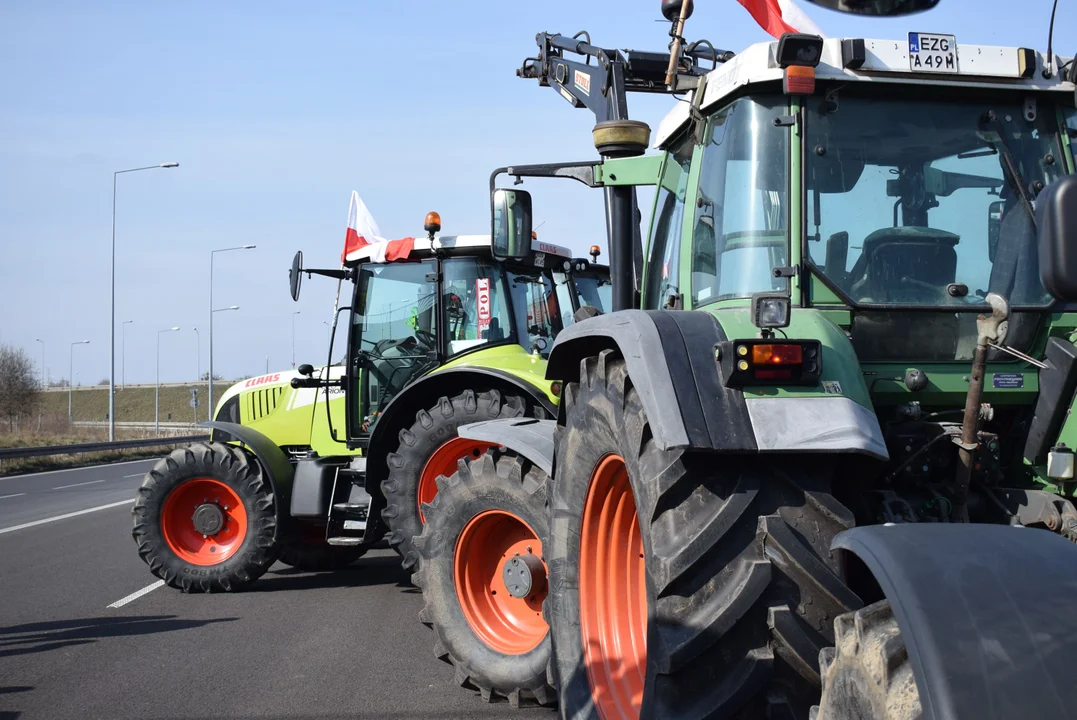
{"x":211,"y":311}
{"x":42,"y":361}
{"x":71,"y":377}
{"x":112,"y":314}
{"x":123,"y":353}
{"x":157,"y":390}
{"x":293,"y":336}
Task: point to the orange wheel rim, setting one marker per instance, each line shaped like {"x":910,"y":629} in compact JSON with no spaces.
{"x":613,"y":593}
{"x":443,"y":462}
{"x":506,"y":622}
{"x":203,"y":521}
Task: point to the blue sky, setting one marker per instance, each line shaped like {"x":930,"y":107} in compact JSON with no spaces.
{"x":275,"y":112}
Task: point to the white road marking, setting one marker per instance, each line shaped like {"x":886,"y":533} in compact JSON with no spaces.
{"x":135,"y":475}
{"x":90,"y":482}
{"x":2,"y":497}
{"x":137,"y":594}
{"x":74,"y":469}
{"x":65,"y":516}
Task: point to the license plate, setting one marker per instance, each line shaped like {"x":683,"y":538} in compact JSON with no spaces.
{"x":929,"y":52}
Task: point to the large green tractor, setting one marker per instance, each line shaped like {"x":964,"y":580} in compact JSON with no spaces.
{"x":819,"y":461}
{"x":314,"y":467}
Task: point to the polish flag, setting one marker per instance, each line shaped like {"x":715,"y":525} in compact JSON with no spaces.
{"x":778,"y":17}
{"x":363,"y":231}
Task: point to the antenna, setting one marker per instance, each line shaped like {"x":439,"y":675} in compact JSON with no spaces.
{"x":683,"y":9}
{"x":1049,"y":70}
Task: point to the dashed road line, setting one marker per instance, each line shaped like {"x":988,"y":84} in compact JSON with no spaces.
{"x":65,"y":516}
{"x":90,"y":482}
{"x":135,"y":475}
{"x":137,"y":594}
{"x":3,"y":497}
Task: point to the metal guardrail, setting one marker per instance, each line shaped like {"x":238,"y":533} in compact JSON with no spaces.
{"x":25,"y":452}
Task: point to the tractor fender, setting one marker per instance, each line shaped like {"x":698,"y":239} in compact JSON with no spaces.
{"x":529,"y":437}
{"x":988,"y":614}
{"x":671,"y":360}
{"x":420,"y":395}
{"x":274,"y":463}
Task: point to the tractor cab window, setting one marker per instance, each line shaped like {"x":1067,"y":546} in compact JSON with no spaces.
{"x":739,"y":232}
{"x":475,"y":308}
{"x":663,"y":284}
{"x":594,"y":289}
{"x":909,"y":201}
{"x":394,"y":333}
{"x":534,"y":303}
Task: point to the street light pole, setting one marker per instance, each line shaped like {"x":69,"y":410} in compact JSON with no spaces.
{"x":157,"y":390}
{"x":112,"y":314}
{"x":123,"y":353}
{"x":71,"y":376}
{"x":209,"y":381}
{"x":42,"y":361}
{"x":293,"y":336}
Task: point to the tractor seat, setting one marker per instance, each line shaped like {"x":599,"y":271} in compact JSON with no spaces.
{"x":903,"y":264}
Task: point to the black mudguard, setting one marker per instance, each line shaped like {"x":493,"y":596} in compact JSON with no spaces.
{"x":273,"y":460}
{"x":988,"y":614}
{"x":670,"y":358}
{"x":531,"y":438}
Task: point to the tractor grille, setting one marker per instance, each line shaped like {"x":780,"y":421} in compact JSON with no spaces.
{"x":262,"y":402}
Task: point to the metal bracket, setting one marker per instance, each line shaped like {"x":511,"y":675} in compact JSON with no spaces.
{"x":785,"y":121}
{"x":1030,"y":109}
{"x":786,"y":272}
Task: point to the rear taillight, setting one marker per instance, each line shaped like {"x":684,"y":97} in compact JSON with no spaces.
{"x":765,"y":362}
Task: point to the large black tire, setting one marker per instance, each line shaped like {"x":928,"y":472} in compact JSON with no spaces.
{"x":322,"y":557}
{"x":741,"y":588}
{"x":231,"y":467}
{"x":867,"y":674}
{"x":432,"y":429}
{"x":496,"y":481}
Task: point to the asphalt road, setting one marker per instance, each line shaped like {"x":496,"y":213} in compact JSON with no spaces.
{"x":297,"y":645}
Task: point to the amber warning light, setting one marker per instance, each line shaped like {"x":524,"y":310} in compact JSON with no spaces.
{"x":764,"y":362}
{"x":432,"y":224}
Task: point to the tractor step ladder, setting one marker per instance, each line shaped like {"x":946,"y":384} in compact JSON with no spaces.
{"x":351,"y":504}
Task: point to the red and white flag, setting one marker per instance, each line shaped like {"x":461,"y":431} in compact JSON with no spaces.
{"x":363,"y":231}
{"x":778,"y":17}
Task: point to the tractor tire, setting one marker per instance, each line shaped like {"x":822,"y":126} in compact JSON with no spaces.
{"x":205,"y":519}
{"x":314,"y":557}
{"x":429,"y":448}
{"x":867,"y":674}
{"x":486,"y":519}
{"x":683,"y":584}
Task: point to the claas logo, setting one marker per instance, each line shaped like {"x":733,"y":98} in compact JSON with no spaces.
{"x":262,"y":380}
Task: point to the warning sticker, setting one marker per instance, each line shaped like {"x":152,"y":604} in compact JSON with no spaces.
{"x":832,"y":387}
{"x":1008,"y":381}
{"x":583,"y":81}
{"x":482,"y":303}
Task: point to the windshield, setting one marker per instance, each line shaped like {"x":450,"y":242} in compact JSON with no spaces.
{"x":909,"y":202}
{"x":394,"y":335}
{"x":534,"y":302}
{"x":594,"y":290}
{"x":473,"y":296}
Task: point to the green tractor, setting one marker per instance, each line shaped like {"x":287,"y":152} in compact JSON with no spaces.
{"x":793,"y":474}
{"x":315,"y":467}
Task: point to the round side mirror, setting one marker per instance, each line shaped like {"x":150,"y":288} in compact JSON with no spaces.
{"x":306,"y":369}
{"x":295,"y":275}
{"x":877,"y":8}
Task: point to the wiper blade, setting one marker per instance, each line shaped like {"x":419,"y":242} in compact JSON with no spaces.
{"x":1013,"y":174}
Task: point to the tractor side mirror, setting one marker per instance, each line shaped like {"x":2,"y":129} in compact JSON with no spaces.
{"x":1056,"y":222}
{"x":511,"y":224}
{"x":306,"y":369}
{"x":878,"y":8}
{"x":994,"y":227}
{"x":295,"y":275}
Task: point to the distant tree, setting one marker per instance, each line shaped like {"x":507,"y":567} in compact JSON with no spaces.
{"x":61,"y":383}
{"x":205,"y":377}
{"x":20,"y":392}
{"x":103,"y":381}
